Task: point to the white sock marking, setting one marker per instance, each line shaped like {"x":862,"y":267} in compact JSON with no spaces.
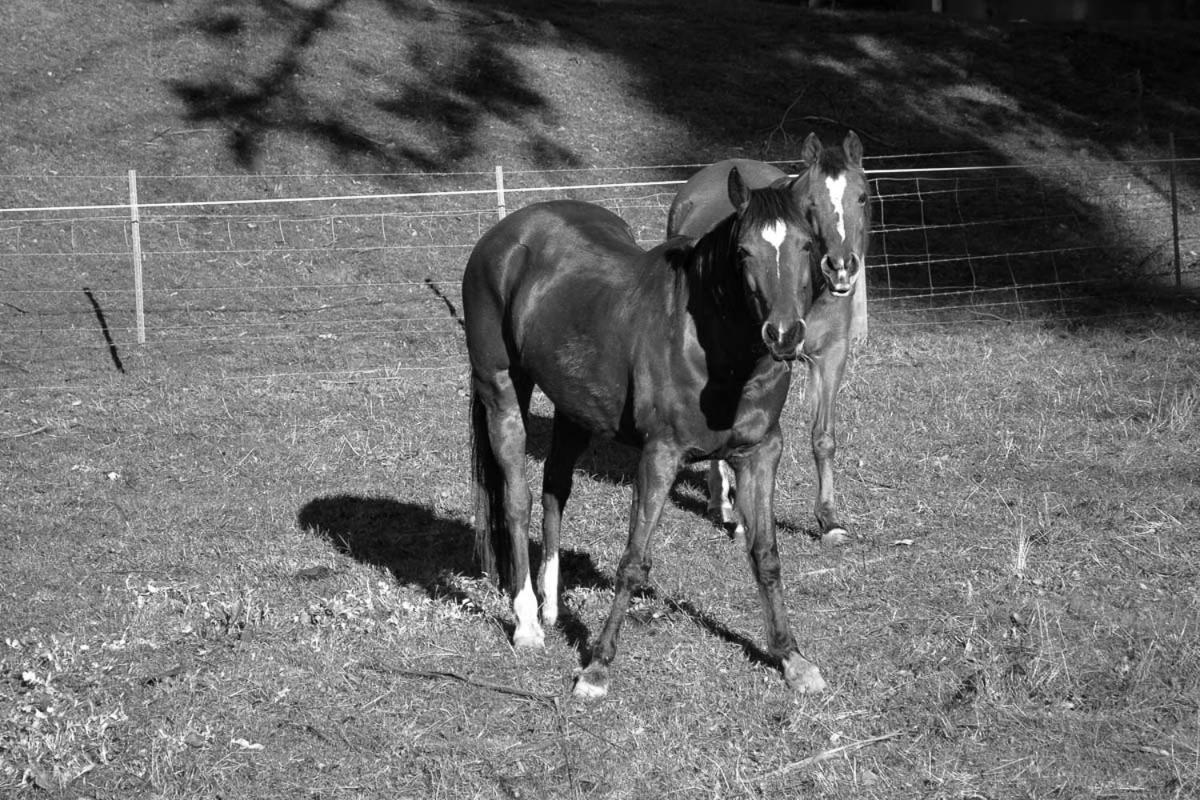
{"x":550,"y":591}
{"x":528,"y":633}
{"x":837,"y":191}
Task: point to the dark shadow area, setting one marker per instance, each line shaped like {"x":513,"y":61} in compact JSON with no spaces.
{"x":412,"y":542}
{"x":616,"y":464}
{"x":390,"y":85}
{"x":710,"y":624}
{"x":429,"y":100}
{"x":103,"y":322}
{"x":420,"y":548}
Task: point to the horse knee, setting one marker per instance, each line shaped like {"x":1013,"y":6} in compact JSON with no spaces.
{"x":824,"y":445}
{"x":768,"y":569}
{"x":634,"y":572}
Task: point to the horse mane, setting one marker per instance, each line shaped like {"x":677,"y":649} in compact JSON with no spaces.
{"x":714,"y":254}
{"x":676,"y":249}
{"x":771,"y":203}
{"x":832,"y":161}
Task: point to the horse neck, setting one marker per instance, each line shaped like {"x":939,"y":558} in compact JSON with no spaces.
{"x":717,"y":303}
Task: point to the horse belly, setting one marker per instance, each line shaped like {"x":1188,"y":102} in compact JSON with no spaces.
{"x":578,"y":376}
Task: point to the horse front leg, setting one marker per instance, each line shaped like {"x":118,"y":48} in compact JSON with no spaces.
{"x":826,"y":377}
{"x":656,"y":473}
{"x":756,"y":503}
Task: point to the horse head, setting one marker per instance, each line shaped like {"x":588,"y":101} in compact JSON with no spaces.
{"x":836,"y":196}
{"x":773,"y":246}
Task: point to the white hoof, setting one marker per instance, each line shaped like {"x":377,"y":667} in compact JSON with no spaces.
{"x":835,"y":537}
{"x":592,"y":684}
{"x":802,"y":676}
{"x":739,"y":536}
{"x":525,"y":607}
{"x":529,"y":638}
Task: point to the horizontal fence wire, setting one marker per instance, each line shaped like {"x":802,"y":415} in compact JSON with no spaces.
{"x":258,"y":282}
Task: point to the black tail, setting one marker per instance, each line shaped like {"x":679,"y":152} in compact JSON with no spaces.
{"x":493,"y":545}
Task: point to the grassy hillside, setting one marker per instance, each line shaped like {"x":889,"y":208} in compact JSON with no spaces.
{"x":389,"y":85}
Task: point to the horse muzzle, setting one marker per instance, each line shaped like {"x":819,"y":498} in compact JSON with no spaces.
{"x":841,"y":273}
{"x":784,"y":344}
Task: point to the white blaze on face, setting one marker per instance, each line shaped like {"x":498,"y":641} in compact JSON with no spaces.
{"x":837,"y":191}
{"x":774,"y":235}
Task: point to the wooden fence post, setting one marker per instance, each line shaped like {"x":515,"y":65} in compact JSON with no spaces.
{"x":136,"y":234}
{"x":500,"y":210}
{"x":1175,"y":215}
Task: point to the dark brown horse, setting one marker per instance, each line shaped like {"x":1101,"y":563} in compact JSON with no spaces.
{"x":684,"y":351}
{"x":835,"y":195}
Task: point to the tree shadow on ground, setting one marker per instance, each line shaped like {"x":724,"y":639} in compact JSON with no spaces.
{"x":427,"y":109}
{"x":392,"y":85}
{"x":421,"y":548}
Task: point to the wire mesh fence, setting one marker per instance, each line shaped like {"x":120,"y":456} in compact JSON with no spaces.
{"x":251,"y":275}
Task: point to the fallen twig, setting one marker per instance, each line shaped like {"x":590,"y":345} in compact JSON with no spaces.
{"x":495,"y":687}
{"x":827,"y":754}
{"x":33,"y":432}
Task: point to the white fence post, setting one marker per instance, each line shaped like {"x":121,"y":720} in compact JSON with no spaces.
{"x":500,"y":210}
{"x":1175,"y":216}
{"x":136,"y":234}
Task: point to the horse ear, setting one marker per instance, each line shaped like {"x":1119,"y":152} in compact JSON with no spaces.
{"x":739,"y":193}
{"x":811,"y":151}
{"x":853,"y":149}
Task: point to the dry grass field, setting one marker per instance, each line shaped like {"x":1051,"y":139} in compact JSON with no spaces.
{"x":263,"y":588}
{"x":242,"y":567}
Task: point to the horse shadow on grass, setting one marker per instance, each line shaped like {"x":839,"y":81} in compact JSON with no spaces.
{"x":422,"y":548}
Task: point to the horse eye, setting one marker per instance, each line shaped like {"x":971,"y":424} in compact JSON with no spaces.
{"x":862,"y":199}
{"x":808,"y":247}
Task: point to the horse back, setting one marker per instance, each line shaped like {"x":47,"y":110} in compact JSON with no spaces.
{"x":547,"y":245}
{"x":704,"y":199}
{"x":562,"y":292}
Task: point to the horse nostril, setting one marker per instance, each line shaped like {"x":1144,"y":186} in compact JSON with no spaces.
{"x":795,"y":336}
{"x":783,"y":343}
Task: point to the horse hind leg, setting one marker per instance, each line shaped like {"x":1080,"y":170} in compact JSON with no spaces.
{"x":504,"y":396}
{"x":720,"y":481}
{"x":567,"y":443}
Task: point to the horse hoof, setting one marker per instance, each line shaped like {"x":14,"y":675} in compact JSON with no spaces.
{"x":738,"y":537}
{"x":592,"y":683}
{"x":723,"y":515}
{"x":835,"y":537}
{"x":530,"y":639}
{"x":802,"y":676}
